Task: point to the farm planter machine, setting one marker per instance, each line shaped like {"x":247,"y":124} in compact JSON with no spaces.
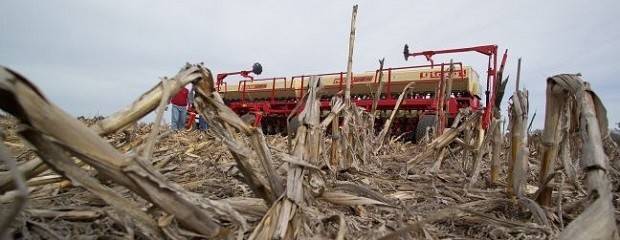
{"x":267,"y":102}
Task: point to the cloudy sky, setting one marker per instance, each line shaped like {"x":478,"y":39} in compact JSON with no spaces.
{"x":95,"y":57}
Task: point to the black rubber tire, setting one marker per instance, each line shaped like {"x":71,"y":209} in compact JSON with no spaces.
{"x":424,"y":122}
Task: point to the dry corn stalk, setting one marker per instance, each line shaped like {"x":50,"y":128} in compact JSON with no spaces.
{"x":378,"y":92}
{"x":347,"y":89}
{"x":556,"y":100}
{"x":145,"y":104}
{"x":342,"y":136}
{"x":561,"y":90}
{"x":363,"y":125}
{"x":225,"y":124}
{"x":444,"y":91}
{"x":22,"y":191}
{"x":304,"y":179}
{"x":448,"y":137}
{"x":282,"y":221}
{"x":492,"y":135}
{"x":496,"y":143}
{"x":336,"y":136}
{"x":55,"y":134}
{"x":114,"y":123}
{"x":357,"y":127}
{"x":567,"y":126}
{"x":517,"y":167}
{"x":442,"y":153}
{"x":29,"y":169}
{"x":337,"y":106}
{"x":478,"y":145}
{"x":598,"y":220}
{"x":386,"y":126}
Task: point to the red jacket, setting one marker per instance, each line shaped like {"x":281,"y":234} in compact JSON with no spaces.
{"x":180,"y":99}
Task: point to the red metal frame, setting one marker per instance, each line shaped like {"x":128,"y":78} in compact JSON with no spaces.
{"x":488,"y":50}
{"x":389,"y":102}
{"x":275,"y":106}
{"x":263,"y":107}
{"x":221,"y":76}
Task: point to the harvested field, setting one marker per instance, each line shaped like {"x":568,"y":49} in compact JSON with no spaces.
{"x":201,"y":164}
{"x":438,"y":205}
{"x":231,"y":182}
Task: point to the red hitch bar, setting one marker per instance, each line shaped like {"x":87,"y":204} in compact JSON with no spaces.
{"x":488,"y":50}
{"x":256,"y":69}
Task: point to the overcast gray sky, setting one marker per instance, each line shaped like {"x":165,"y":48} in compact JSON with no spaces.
{"x":95,"y":57}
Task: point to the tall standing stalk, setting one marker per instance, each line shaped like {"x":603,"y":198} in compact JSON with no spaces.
{"x":340,"y":136}
{"x":517,"y":167}
{"x":347,"y":90}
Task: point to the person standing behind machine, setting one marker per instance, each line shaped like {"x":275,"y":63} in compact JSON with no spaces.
{"x":202,"y":123}
{"x":179,"y":109}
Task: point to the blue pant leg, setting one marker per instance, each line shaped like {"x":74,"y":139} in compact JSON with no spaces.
{"x":174,"y":112}
{"x":182,"y":117}
{"x":202,"y":124}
